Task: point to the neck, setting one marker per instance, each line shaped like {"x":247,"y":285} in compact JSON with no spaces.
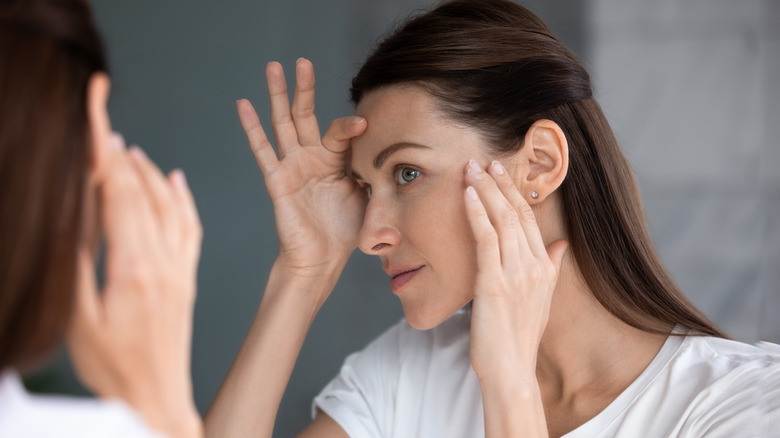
{"x":585,"y":350}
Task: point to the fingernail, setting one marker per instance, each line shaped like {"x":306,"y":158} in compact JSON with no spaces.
{"x":137,"y":154}
{"x":471,"y":193}
{"x":178,"y":179}
{"x":475,"y":170}
{"x":498,"y":168}
{"x":299,"y":59}
{"x":357,"y":120}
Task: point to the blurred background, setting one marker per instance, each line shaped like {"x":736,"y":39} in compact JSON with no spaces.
{"x":690,"y":87}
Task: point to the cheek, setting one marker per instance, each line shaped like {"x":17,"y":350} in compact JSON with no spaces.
{"x":450,"y":233}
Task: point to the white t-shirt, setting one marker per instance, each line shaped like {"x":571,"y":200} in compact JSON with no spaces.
{"x":410,"y":383}
{"x":35,"y":416}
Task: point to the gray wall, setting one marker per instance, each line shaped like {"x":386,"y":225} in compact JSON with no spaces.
{"x":178,"y":68}
{"x":692,"y":90}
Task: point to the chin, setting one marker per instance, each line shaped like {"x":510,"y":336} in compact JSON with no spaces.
{"x":426,"y":319}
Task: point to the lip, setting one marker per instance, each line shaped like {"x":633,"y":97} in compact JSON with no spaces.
{"x":401,"y":275}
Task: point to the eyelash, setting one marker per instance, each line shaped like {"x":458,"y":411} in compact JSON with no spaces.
{"x":399,"y":175}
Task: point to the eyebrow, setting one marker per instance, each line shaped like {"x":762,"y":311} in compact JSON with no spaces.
{"x":393,"y":148}
{"x":390,"y":150}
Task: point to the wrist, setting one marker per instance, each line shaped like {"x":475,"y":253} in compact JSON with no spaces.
{"x":184,"y":425}
{"x":511,"y":365}
{"x":174,"y":420}
{"x":190,"y":425}
{"x":503,"y":398}
{"x":166,"y":404}
{"x":330,"y":263}
{"x":522,"y":384}
{"x":316,"y":281}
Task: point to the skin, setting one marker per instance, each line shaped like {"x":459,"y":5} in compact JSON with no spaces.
{"x":131,"y":340}
{"x":400,"y":225}
{"x":537,"y":333}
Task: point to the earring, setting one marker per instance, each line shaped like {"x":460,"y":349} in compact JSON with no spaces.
{"x":534,"y":195}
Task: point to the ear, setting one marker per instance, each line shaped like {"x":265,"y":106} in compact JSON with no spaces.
{"x":546,"y":151}
{"x":98,"y":89}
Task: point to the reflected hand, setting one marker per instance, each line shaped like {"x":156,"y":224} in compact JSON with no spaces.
{"x":132,"y":339}
{"x":318,"y":207}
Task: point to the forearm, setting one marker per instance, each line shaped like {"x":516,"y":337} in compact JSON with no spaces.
{"x":513,"y":407}
{"x":247,"y":402}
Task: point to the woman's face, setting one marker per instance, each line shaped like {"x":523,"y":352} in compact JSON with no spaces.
{"x":411,"y":161}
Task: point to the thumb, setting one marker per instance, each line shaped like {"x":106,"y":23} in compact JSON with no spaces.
{"x":341,"y":131}
{"x":556,"y":251}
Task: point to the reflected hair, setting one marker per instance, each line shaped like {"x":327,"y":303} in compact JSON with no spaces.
{"x":48,"y":51}
{"x":493,"y":65}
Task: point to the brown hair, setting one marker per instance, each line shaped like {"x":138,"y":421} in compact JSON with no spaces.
{"x":48,"y":51}
{"x":493,"y":65}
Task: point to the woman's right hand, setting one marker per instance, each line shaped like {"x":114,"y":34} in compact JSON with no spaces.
{"x":318,"y":207}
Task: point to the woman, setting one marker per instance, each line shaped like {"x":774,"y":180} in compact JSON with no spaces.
{"x":481,"y":171}
{"x":68,"y":185}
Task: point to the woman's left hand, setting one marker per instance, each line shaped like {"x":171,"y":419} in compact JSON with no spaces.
{"x":514,"y":286}
{"x":131,"y":338}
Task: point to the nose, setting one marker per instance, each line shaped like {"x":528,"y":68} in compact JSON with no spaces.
{"x":378,"y":234}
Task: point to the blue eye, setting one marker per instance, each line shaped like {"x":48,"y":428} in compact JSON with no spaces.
{"x":405,"y":175}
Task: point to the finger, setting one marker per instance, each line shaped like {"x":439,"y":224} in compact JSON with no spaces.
{"x":281,"y":119}
{"x":504,"y":218}
{"x":488,"y":253}
{"x":126,"y":212}
{"x":158,"y":193}
{"x":303,"y":104}
{"x":520,"y":205}
{"x":261,"y":148}
{"x":186,"y":204}
{"x":556,"y":251}
{"x":341,"y":131}
{"x":116,"y":144}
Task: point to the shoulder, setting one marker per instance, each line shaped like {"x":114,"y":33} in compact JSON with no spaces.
{"x":738,"y":386}
{"x":390,"y":373}
{"x":728,"y":367}
{"x":30,"y":415}
{"x":362,"y":392}
{"x":724,"y":355}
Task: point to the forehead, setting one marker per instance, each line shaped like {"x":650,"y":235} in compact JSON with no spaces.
{"x":404,"y":114}
{"x":400,"y":105}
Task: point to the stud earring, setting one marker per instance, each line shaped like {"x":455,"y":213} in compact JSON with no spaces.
{"x":534,"y":195}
